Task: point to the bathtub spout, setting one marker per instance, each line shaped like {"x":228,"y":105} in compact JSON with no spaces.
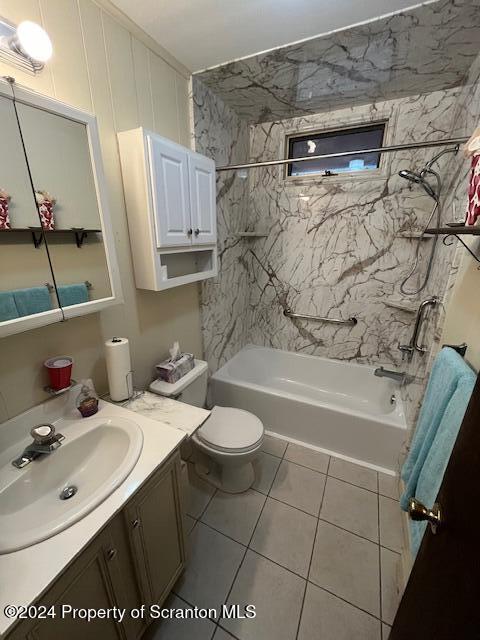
{"x":399,"y":376}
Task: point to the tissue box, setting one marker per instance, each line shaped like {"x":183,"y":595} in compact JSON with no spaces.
{"x":172,"y":370}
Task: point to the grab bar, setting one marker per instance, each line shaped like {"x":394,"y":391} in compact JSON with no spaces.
{"x":288,"y":313}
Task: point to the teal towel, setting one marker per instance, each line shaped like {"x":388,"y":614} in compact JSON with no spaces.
{"x":447,"y":369}
{"x":69,"y":294}
{"x":431,"y":475}
{"x":34,"y":300}
{"x":8,"y":308}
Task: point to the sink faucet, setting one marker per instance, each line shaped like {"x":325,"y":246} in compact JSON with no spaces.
{"x":45,"y":440}
{"x":398,"y":376}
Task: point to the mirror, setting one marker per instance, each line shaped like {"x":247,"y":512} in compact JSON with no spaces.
{"x":59,"y":157}
{"x":25,"y":277}
{"x":63,"y":223}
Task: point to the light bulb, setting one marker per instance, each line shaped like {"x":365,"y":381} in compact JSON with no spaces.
{"x":33,"y":41}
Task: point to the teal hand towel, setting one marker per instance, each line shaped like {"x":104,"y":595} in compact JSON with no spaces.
{"x":431,"y":475}
{"x":69,"y":294}
{"x":8,"y":308}
{"x":447,"y":369}
{"x":34,"y":300}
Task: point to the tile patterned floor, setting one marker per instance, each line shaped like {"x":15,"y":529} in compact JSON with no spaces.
{"x":314,"y":545}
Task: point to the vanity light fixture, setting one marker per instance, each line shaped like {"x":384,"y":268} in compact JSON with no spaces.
{"x":27,"y":47}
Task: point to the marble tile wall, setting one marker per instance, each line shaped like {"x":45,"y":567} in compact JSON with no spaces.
{"x":224,"y":137}
{"x":334,"y":245}
{"x":420,"y":50}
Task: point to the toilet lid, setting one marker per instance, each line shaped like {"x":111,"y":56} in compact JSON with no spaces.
{"x":234,"y":429}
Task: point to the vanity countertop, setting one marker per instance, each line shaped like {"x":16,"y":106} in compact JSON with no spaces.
{"x":25,"y":574}
{"x":176,"y":414}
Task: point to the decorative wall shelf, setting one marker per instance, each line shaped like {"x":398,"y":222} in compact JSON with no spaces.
{"x":37,"y":233}
{"x":413,"y":235}
{"x":455,"y":232}
{"x":401,"y":305}
{"x":252,"y":234}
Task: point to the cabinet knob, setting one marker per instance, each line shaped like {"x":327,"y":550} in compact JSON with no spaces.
{"x":111,"y":554}
{"x":135,"y":524}
{"x":197,"y":232}
{"x":189,"y":232}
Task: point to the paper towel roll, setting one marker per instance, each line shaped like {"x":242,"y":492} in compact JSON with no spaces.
{"x":119,"y":368}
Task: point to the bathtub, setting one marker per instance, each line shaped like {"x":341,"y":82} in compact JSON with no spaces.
{"x":336,"y":407}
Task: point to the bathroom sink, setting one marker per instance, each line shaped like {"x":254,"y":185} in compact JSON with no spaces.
{"x":56,"y":490}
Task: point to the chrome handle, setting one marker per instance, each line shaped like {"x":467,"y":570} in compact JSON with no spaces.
{"x":197,"y":232}
{"x":135,"y":524}
{"x":432,"y":301}
{"x":419,"y":512}
{"x":111,"y":554}
{"x":189,"y":232}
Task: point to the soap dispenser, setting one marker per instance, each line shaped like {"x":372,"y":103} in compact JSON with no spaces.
{"x":87,"y":400}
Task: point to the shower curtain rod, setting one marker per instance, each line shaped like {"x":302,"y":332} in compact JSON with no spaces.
{"x":397,"y":147}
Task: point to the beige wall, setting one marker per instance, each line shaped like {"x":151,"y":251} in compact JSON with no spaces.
{"x":462,"y":321}
{"x":102,"y":64}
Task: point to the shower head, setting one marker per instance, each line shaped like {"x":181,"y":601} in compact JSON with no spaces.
{"x":419,"y":178}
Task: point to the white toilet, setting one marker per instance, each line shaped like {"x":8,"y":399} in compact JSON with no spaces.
{"x":228,"y":441}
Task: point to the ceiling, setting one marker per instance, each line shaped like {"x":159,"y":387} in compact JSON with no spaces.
{"x":417,"y":51}
{"x":204,"y":33}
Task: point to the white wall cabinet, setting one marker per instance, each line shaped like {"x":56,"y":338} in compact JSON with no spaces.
{"x":171,"y":207}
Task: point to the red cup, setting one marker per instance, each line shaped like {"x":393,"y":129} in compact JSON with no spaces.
{"x":59,"y":371}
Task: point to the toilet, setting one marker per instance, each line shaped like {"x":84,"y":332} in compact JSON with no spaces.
{"x":229,"y":439}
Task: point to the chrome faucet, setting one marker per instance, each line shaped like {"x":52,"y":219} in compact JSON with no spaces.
{"x":409,"y":349}
{"x":399,"y":376}
{"x":45,"y":440}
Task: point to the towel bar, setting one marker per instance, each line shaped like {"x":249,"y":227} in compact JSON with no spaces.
{"x":51,"y":288}
{"x":459,"y":348}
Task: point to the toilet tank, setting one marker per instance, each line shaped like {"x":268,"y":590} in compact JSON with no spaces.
{"x":191,"y":388}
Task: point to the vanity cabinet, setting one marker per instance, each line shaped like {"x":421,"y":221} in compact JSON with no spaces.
{"x":135,"y":560}
{"x":171,"y":207}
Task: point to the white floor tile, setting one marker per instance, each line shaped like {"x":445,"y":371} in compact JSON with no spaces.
{"x":265,"y":467}
{"x":386,"y":628}
{"x":299,"y":487}
{"x":189,"y":524}
{"x":213,"y":562}
{"x":286,"y":536}
{"x":390,"y":592}
{"x":388,"y":486}
{"x":182,"y":628}
{"x":274,"y":446}
{"x":391,"y":533}
{"x":351,"y":508}
{"x":200,"y":493}
{"x":277,"y":594}
{"x":315,"y":460}
{"x":221,"y":634}
{"x":348,"y":566}
{"x":354,"y":473}
{"x":235,"y":515}
{"x":326,"y":617}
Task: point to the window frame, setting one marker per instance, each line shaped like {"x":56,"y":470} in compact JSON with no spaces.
{"x":343,"y":175}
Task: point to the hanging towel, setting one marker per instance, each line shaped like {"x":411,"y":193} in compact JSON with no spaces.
{"x":432,"y":472}
{"x":69,"y":294}
{"x":34,"y":300}
{"x":447,"y":369}
{"x":8,"y":308}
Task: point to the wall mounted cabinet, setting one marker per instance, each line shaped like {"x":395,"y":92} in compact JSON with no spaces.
{"x":171,"y":206}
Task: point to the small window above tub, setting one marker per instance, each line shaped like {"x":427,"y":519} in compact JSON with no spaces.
{"x":317,"y":143}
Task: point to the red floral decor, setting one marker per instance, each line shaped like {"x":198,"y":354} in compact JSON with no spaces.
{"x":4,"y":215}
{"x":45,"y":204}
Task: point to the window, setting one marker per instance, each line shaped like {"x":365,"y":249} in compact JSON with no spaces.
{"x":353,"y":139}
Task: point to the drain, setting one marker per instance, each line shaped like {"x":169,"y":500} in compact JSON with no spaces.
{"x":68,"y":492}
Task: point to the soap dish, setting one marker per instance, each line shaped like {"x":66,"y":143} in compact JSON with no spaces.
{"x":59,"y":392}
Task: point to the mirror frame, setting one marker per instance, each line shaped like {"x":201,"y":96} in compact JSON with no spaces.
{"x":26,"y":323}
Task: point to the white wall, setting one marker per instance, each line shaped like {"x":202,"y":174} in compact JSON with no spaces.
{"x":104,"y":64}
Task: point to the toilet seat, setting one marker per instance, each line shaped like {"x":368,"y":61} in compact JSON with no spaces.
{"x":231,"y":430}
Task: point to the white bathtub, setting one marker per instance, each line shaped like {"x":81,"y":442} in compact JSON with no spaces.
{"x":338,"y":407}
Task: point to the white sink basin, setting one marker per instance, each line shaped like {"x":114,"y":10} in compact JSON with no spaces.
{"x":94,"y":459}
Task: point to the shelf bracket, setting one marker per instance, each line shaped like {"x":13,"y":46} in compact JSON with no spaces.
{"x":80,"y":237}
{"x":454,"y":235}
{"x":37,"y":237}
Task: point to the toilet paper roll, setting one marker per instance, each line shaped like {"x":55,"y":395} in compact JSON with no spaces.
{"x":119,"y":368}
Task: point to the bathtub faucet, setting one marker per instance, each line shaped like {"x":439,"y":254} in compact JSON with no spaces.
{"x":399,"y":376}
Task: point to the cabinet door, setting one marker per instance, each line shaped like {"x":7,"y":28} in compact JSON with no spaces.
{"x":170,"y":195}
{"x":154,"y":518}
{"x":202,"y":199}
